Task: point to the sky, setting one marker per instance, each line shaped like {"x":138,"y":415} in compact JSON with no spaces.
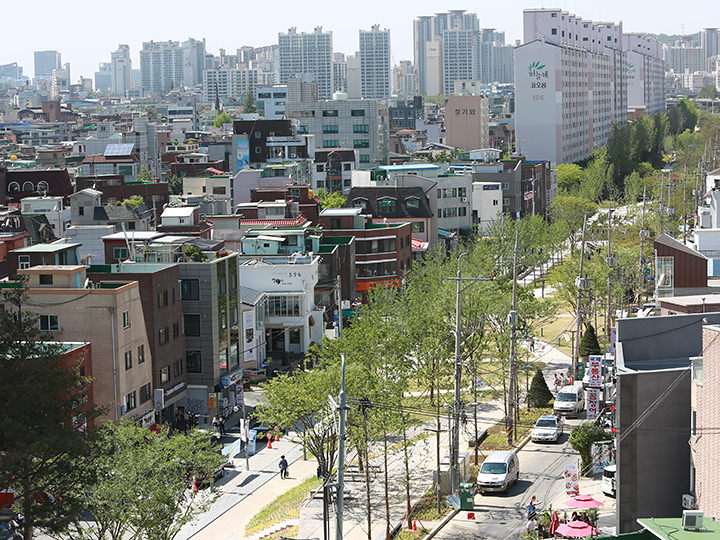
{"x":85,"y":32}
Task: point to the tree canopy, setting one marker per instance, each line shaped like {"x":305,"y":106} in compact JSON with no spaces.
{"x":330,"y":199}
{"x":222,"y":118}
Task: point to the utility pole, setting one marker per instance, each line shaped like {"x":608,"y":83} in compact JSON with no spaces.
{"x":341,"y":452}
{"x":610,"y":264}
{"x":338,"y":301}
{"x":685,"y":206}
{"x":457,"y":405}
{"x":641,"y":269}
{"x":662,"y":191}
{"x":512,"y":390}
{"x":578,"y":310}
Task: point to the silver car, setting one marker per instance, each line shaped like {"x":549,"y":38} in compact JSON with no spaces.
{"x":547,"y":429}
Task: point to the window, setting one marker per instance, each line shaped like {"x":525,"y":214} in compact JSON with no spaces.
{"x":177,"y":368}
{"x":49,"y":323}
{"x":130,"y":402}
{"x":23,"y":261}
{"x":164,"y":335}
{"x":28,"y":186}
{"x":126,"y":319}
{"x":332,"y":128}
{"x":46,"y":279}
{"x":191,"y":325}
{"x":258,"y":135}
{"x":364,"y":158}
{"x":697,"y":364}
{"x":462,"y":211}
{"x":284,"y":306}
{"x":462,"y":192}
{"x":495,"y":202}
{"x":81,"y":210}
{"x":162,"y":299}
{"x":120,"y":254}
{"x":553,"y":31}
{"x":13,"y":186}
{"x":165,"y":375}
{"x":128,"y":360}
{"x":506,"y":202}
{"x":189,"y":289}
{"x":145,"y":393}
{"x":506,"y":185}
{"x":361,"y":143}
{"x":361,"y":128}
{"x":141,"y":354}
{"x":386,"y":206}
{"x":418,"y":226}
{"x":193,"y":363}
{"x":331,"y":143}
{"x":693,"y":422}
{"x":295,"y":335}
{"x":332,"y":113}
{"x":357,"y":112}
{"x":125,"y":170}
{"x":218,"y":190}
{"x":346,"y":167}
{"x":176,"y":330}
{"x":359,"y":203}
{"x":258,"y":150}
{"x":320,"y":168}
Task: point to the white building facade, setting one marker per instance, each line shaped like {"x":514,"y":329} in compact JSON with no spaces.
{"x":375,"y":63}
{"x":307,"y":53}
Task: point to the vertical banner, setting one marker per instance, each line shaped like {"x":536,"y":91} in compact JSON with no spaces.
{"x":595,"y":377}
{"x":249,"y":342}
{"x":593,"y":403}
{"x":242,"y":153}
{"x":572,"y":487}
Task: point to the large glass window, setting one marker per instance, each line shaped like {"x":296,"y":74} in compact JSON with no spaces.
{"x":361,"y":143}
{"x":193,"y":362}
{"x":145,"y":393}
{"x":189,"y":289}
{"x":331,"y":143}
{"x":331,"y":128}
{"x":191,"y":324}
{"x":330,"y":113}
{"x":49,"y":323}
{"x":361,"y":128}
{"x":357,"y":112}
{"x":284,"y":306}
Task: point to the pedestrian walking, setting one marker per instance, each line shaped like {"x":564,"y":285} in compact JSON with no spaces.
{"x":530,"y":510}
{"x":284,"y":472}
{"x":215,"y":424}
{"x":221,"y":424}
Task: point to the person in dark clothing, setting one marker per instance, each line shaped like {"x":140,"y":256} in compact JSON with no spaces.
{"x":221,"y":424}
{"x":284,"y":473}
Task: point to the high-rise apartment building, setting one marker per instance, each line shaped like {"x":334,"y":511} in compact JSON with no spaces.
{"x":496,"y":58}
{"x":307,"y":53}
{"x":459,"y":55}
{"x":645,"y":73}
{"x":45,"y":62}
{"x":403,"y":82}
{"x":339,"y":72}
{"x":103,"y":77}
{"x":60,"y":82}
{"x":120,"y":70}
{"x":682,"y":58}
{"x":710,"y":43}
{"x":571,"y":84}
{"x":165,"y":65}
{"x":375,"y":63}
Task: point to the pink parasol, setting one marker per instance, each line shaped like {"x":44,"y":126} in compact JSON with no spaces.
{"x":554,"y":523}
{"x":583,"y":501}
{"x":576,"y":529}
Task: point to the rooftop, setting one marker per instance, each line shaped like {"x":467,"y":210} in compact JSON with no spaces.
{"x":133,"y":235}
{"x":410,"y":167}
{"x":671,"y":528}
{"x":178,"y":211}
{"x":692,"y":300}
{"x":338,"y":212}
{"x":46,"y":248}
{"x":128,"y":268}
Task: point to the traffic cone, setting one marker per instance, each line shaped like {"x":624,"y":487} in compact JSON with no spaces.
{"x":195,"y":486}
{"x":269,"y":438}
{"x":277,"y":436}
{"x":414,"y":525}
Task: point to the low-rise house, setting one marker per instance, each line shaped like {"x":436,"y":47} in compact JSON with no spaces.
{"x":55,"y":253}
{"x":184,"y":220}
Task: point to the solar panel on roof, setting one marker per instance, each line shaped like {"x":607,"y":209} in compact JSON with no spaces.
{"x":116,"y":150}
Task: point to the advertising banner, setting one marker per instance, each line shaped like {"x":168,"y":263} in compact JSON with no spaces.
{"x":249,"y":334}
{"x":242,"y":154}
{"x":595,"y":370}
{"x":593,"y":403}
{"x":572,"y":487}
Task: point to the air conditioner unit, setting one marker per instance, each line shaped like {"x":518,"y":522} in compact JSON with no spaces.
{"x":692,"y":520}
{"x":688,"y":501}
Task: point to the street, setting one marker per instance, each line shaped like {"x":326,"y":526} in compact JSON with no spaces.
{"x":502,"y":516}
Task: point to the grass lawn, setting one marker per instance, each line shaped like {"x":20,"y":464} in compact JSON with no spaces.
{"x":497,"y":437}
{"x":285,"y":506}
{"x":426,"y":508}
{"x":290,"y":532}
{"x":553,"y":329}
{"x":412,"y":535}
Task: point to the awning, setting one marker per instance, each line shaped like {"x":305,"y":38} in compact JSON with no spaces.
{"x":446,"y":234}
{"x":215,"y":171}
{"x":419,"y":244}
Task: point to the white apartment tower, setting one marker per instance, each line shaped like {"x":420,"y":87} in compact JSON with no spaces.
{"x":645,"y":73}
{"x":375,"y":63}
{"x":403,"y":82}
{"x":307,"y":53}
{"x":120,"y":70}
{"x":571,"y":84}
{"x":165,"y":65}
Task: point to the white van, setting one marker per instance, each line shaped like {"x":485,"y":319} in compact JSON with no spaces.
{"x":499,"y":471}
{"x":570,"y":400}
{"x":608,"y":480}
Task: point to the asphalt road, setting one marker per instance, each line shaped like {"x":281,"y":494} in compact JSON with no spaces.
{"x":502,"y":516}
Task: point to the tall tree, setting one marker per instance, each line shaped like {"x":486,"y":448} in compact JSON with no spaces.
{"x":249,"y":105}
{"x":330,"y":199}
{"x":221,"y":119}
{"x":46,"y":421}
{"x":571,"y":211}
{"x":569,"y":176}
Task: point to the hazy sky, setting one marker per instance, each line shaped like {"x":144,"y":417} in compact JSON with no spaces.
{"x":85,"y":32}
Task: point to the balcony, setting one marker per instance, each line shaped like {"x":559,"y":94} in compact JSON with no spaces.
{"x":293,"y":140}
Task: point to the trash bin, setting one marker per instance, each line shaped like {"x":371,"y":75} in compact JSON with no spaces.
{"x":467,"y":496}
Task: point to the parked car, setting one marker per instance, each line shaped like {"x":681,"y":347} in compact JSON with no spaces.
{"x":547,"y":428}
{"x":570,"y":400}
{"x":608,"y":480}
{"x":499,"y":471}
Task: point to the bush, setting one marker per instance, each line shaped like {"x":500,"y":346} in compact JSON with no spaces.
{"x":539,"y":394}
{"x":582,"y":439}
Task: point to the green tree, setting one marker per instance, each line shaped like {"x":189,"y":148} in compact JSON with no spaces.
{"x":571,"y":211}
{"x":46,"y":422}
{"x":175,"y":185}
{"x":330,"y":199}
{"x":141,"y":489}
{"x":133,"y":202}
{"x":569,"y":176}
{"x":620,"y":152}
{"x":145,"y":175}
{"x":589,"y":342}
{"x":539,"y":394}
{"x":249,"y":105}
{"x":708,"y":92}
{"x":222,"y":118}
{"x":582,"y":439}
{"x":195,"y":254}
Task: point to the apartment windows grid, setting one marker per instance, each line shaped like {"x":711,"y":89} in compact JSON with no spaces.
{"x":49,"y":323}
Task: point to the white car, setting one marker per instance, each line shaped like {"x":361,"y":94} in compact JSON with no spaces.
{"x":547,"y":428}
